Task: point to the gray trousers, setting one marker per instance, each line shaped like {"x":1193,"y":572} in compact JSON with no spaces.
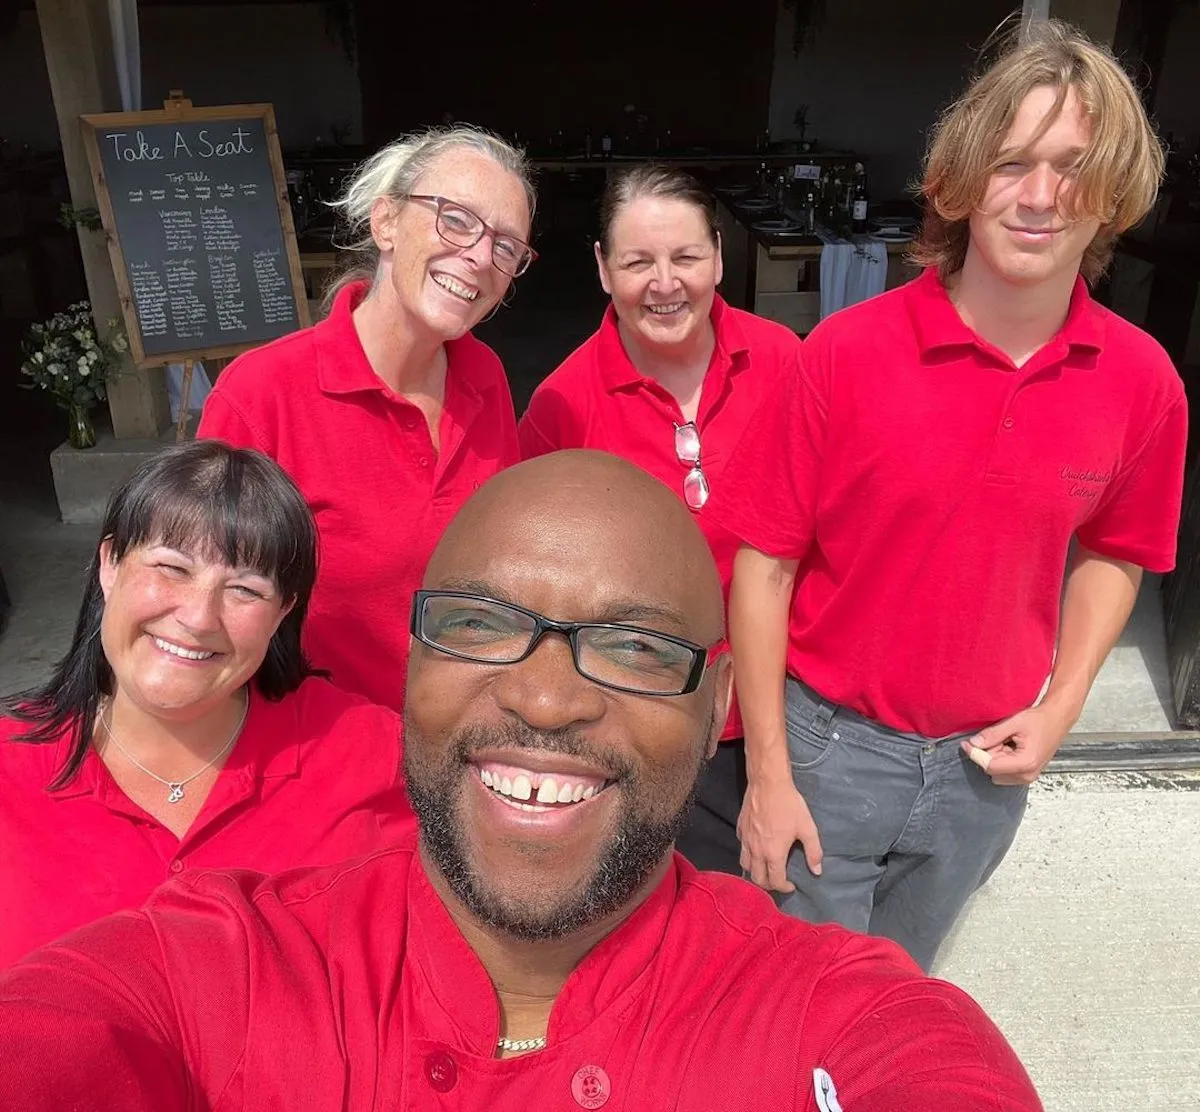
{"x":908,"y":825}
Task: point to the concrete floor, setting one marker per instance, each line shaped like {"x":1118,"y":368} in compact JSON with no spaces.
{"x":1085,"y":944}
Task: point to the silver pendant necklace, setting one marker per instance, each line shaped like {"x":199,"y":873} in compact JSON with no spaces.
{"x":174,"y":787}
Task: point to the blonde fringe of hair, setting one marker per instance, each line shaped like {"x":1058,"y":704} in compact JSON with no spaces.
{"x":1116,"y":181}
{"x":393,"y":172}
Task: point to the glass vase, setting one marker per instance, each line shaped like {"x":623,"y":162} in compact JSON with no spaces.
{"x":81,"y":433}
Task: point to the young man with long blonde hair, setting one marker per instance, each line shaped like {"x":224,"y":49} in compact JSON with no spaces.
{"x":952,"y":453}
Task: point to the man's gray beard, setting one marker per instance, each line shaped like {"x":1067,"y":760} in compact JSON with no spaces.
{"x":623,"y":865}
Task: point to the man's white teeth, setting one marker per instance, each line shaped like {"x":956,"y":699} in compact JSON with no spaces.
{"x":663,"y":310}
{"x":550,"y":790}
{"x":455,"y":287}
{"x":176,"y":650}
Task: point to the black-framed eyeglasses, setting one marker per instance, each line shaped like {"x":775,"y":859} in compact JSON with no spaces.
{"x":687,"y":451}
{"x":460,"y":227}
{"x":623,"y":657}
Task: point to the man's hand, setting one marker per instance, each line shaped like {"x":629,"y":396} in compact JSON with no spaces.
{"x":1016,"y":750}
{"x":774,"y":818}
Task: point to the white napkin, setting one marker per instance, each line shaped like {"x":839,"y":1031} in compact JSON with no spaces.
{"x":851,"y":273}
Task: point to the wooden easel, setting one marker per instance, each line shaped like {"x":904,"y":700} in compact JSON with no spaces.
{"x":185,"y":393}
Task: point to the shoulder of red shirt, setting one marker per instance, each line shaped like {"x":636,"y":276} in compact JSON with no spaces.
{"x":25,"y":764}
{"x":923,"y":306}
{"x":316,"y":713}
{"x":557,"y":414}
{"x":313,"y":363}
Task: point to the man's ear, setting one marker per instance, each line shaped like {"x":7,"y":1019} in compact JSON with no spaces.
{"x":722,"y":677}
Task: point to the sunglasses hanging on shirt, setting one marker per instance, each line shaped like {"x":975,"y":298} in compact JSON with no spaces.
{"x":687,"y":450}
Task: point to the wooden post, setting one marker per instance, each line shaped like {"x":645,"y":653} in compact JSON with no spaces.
{"x":185,"y":395}
{"x":77,"y":40}
{"x":1034,"y":10}
{"x":1095,"y":18}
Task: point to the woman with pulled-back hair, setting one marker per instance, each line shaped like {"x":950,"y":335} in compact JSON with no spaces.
{"x":184,"y":727}
{"x":389,"y":414}
{"x":668,"y":382}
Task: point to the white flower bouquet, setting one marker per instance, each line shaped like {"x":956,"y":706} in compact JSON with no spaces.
{"x":65,"y":357}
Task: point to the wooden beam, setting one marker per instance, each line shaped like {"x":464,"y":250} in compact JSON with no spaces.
{"x":1034,"y":10}
{"x":1095,"y":18}
{"x":77,"y":40}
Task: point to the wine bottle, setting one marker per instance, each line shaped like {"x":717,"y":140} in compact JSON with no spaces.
{"x":858,"y":223}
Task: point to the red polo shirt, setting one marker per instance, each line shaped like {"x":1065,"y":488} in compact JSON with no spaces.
{"x":313,"y":779}
{"x":363,"y":457}
{"x":351,"y":988}
{"x":930,"y":490}
{"x":598,"y":399}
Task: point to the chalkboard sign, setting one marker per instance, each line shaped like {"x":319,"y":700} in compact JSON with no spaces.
{"x":195,"y":205}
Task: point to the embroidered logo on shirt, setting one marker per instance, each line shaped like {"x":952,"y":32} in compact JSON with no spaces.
{"x":826,"y":1092}
{"x":1085,"y":482}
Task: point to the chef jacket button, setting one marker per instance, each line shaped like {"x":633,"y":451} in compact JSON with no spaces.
{"x":441,"y":1071}
{"x":591,"y":1087}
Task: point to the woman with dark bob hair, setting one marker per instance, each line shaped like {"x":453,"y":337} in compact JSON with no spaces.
{"x":184,"y":727}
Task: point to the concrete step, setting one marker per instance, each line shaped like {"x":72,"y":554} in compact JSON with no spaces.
{"x":84,"y":478}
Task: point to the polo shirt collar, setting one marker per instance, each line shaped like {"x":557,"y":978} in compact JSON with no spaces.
{"x":343,"y":367}
{"x":269,"y":747}
{"x":938,"y":325}
{"x":618,"y":372}
{"x":439,"y":956}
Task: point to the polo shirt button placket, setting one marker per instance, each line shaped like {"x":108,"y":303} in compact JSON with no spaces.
{"x":176,"y":866}
{"x":441,"y":1071}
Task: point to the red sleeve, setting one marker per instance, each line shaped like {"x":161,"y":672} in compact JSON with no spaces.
{"x":126,"y":1013}
{"x":909,"y":1042}
{"x":512,"y":446}
{"x":223,"y":420}
{"x":778,"y":461}
{"x":1138,"y":521}
{"x":548,"y":424}
{"x":79,"y":1034}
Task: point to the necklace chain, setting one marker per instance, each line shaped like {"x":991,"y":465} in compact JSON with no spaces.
{"x":522,"y":1044}
{"x":174,"y":787}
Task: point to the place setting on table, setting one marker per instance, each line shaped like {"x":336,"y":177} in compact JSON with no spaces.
{"x":893,"y":229}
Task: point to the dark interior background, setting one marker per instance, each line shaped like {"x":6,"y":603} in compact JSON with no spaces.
{"x":700,"y":68}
